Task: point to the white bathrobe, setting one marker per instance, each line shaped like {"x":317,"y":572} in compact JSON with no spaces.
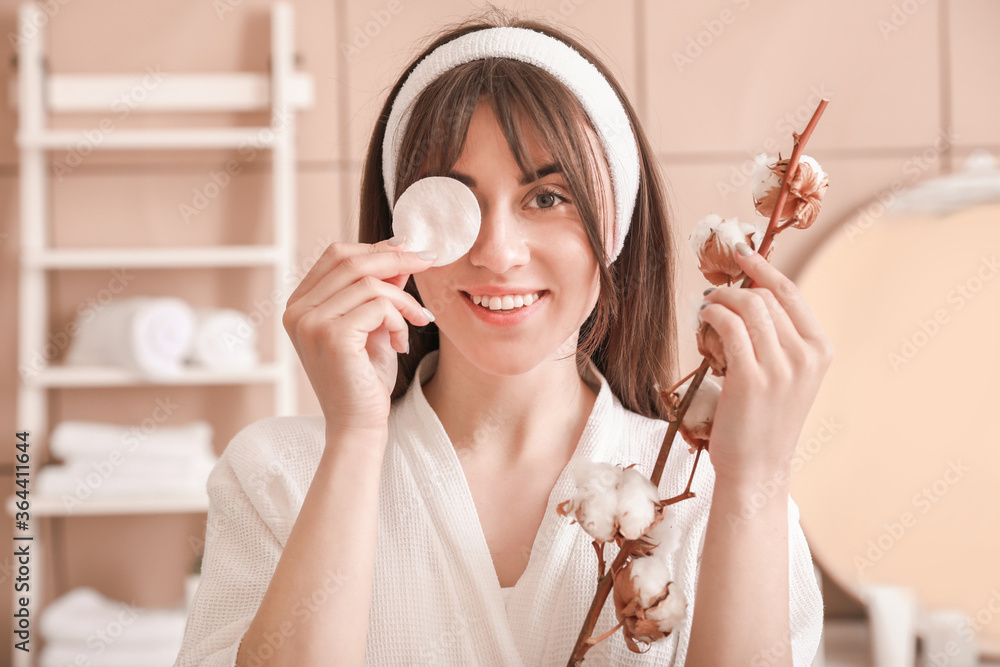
{"x":436,"y":597}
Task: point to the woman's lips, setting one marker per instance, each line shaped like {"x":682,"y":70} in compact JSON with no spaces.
{"x":503,"y":317}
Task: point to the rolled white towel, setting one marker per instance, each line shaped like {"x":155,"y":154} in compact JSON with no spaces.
{"x":224,"y":340}
{"x":77,"y":615}
{"x":90,"y":440}
{"x":151,"y":335}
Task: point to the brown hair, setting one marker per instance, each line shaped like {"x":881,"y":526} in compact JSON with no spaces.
{"x":631,"y":335}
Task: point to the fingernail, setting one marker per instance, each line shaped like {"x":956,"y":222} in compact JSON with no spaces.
{"x":397,"y":240}
{"x":743,"y":248}
{"x":702,"y":306}
{"x":708,"y":291}
{"x":427,"y":255}
{"x":406,"y":350}
{"x":429,"y":314}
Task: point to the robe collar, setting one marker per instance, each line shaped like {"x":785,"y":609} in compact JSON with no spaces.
{"x":549,"y":565}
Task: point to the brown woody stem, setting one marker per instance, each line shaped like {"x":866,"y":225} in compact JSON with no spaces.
{"x":607,"y":634}
{"x":697,"y":456}
{"x":599,"y":548}
{"x":678,"y":383}
{"x":668,"y":439}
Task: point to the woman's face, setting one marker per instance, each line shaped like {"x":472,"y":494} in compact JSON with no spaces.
{"x":531,"y":269}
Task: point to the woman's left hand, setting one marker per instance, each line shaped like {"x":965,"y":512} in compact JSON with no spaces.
{"x":776,"y":356}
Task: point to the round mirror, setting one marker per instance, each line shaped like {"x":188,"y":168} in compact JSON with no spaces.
{"x":898,"y":466}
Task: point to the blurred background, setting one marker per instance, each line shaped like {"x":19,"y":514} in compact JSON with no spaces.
{"x":896,"y":466}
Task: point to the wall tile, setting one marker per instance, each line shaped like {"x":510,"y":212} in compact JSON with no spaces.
{"x":169,"y":205}
{"x":141,"y":560}
{"x":728,"y":75}
{"x":975,"y":71}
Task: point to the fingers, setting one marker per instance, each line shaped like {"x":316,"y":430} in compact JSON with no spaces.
{"x":735,"y":340}
{"x":380,"y":313}
{"x":334,"y":254}
{"x":367,"y":289}
{"x":746,"y":317}
{"x":356,"y":325}
{"x":764,"y":274}
{"x":383,"y":265}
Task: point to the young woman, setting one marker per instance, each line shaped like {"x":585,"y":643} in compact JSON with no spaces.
{"x":414,"y":522}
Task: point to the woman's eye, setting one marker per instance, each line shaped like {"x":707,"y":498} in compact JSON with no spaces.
{"x":548,"y":199}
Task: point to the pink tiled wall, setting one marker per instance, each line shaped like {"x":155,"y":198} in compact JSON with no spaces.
{"x":715,"y":82}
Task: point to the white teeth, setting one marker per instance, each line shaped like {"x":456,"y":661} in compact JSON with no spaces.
{"x":506,"y":302}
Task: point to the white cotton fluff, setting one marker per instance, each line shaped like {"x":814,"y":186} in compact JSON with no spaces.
{"x":439,"y":214}
{"x":764,"y":179}
{"x":650,"y":575}
{"x":665,"y":535}
{"x":637,"y":499}
{"x":596,"y":500}
{"x":727,"y":233}
{"x":670,"y":612}
{"x":703,"y":404}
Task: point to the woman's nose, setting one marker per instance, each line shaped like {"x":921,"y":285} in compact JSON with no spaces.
{"x":500,"y":245}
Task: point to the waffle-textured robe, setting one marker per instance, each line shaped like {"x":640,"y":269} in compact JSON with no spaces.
{"x":436,"y":597}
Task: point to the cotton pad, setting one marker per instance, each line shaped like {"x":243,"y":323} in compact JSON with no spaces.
{"x":439,"y":214}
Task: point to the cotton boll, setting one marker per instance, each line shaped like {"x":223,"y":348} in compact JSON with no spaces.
{"x":696,"y":428}
{"x":643,"y":582}
{"x":732,"y":231}
{"x":595,"y":503}
{"x":671,"y":612}
{"x":703,"y":403}
{"x":705,"y":227}
{"x":714,"y":241}
{"x":597,"y":516}
{"x":439,"y":214}
{"x":597,"y":476}
{"x":649,"y":576}
{"x":805,"y":190}
{"x":637,"y":498}
{"x":665,"y":535}
{"x":764,"y":176}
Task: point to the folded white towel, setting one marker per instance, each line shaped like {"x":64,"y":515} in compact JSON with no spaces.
{"x":224,"y":340}
{"x":61,"y":655}
{"x":78,"y":615}
{"x":113,"y":655}
{"x":96,"y":440}
{"x":146,"y":467}
{"x":105,"y":479}
{"x":147,"y":334}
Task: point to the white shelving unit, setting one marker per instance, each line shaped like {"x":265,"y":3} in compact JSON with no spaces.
{"x":36,"y":93}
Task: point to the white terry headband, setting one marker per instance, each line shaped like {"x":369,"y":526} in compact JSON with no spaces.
{"x":559,"y":59}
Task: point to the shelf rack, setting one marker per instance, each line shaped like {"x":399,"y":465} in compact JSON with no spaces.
{"x":36,"y":93}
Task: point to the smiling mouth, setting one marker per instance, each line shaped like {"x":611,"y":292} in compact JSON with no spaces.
{"x":505,"y":304}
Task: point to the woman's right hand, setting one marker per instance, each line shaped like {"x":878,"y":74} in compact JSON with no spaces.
{"x":346,"y":320}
